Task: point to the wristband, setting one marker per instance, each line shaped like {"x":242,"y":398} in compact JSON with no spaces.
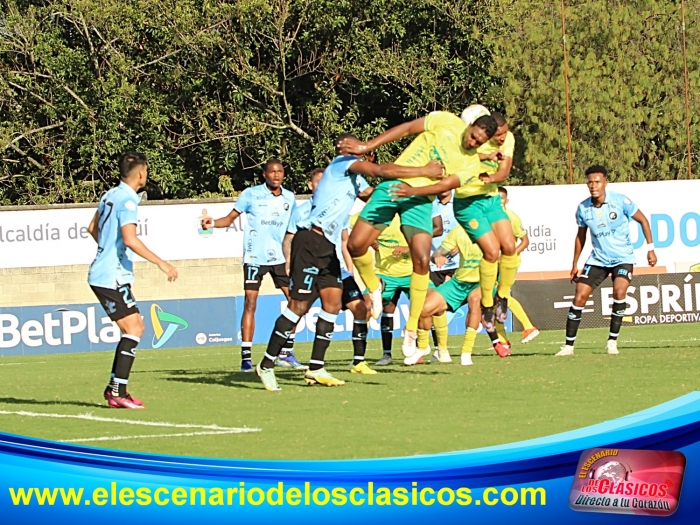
{"x":650,"y":246}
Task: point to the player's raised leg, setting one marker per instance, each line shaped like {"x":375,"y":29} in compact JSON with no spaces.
{"x":473,"y":320}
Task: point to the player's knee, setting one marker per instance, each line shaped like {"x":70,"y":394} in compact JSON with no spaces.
{"x":250,"y":304}
{"x":491,"y":253}
{"x":580,"y":299}
{"x":356,"y":249}
{"x":137,"y":327}
{"x":421,"y":263}
{"x":508,"y":247}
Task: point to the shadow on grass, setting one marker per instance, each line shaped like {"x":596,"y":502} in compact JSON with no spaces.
{"x":16,"y":401}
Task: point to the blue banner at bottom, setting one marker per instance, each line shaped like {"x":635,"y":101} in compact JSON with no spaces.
{"x":526,"y":482}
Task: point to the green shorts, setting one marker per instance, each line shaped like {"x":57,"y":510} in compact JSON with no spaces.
{"x":395,"y":286}
{"x":477,"y":214}
{"x":415,"y":212}
{"x":456,"y":293}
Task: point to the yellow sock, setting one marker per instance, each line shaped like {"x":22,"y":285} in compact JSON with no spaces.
{"x":519,"y":313}
{"x":423,"y":340}
{"x":469,"y":339}
{"x":418,"y":289}
{"x":440,"y":324}
{"x":501,"y":331}
{"x":365,"y":267}
{"x":507,"y":268}
{"x":488,"y":272}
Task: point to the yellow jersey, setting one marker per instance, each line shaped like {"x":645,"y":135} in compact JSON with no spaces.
{"x":491,"y":166}
{"x":517,"y":226}
{"x":441,"y":140}
{"x":384,"y":261}
{"x":470,"y":255}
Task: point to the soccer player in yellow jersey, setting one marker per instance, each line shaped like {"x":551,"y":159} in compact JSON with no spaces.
{"x":462,"y":289}
{"x":441,"y":136}
{"x":529,"y":331}
{"x":478,"y":210}
{"x":393,"y":266}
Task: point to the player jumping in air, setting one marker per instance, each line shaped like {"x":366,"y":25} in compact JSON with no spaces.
{"x":314,"y":264}
{"x":444,"y":137}
{"x":607,"y":215}
{"x":114,"y":229}
{"x":268,"y":208}
{"x":352,"y":299}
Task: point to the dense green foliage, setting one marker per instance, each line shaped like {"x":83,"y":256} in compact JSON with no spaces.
{"x":209,"y":90}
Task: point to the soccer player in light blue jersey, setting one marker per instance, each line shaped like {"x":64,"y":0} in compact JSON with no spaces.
{"x":607,"y":215}
{"x":268,"y":208}
{"x":114,"y":229}
{"x":352,"y":299}
{"x":314,"y":263}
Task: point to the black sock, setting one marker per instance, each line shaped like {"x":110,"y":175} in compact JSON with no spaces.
{"x":324,"y":335}
{"x":288,"y":347}
{"x":284,"y":326}
{"x":572,"y":323}
{"x":359,"y":341}
{"x":432,"y":331}
{"x":494,"y":337}
{"x":618,"y":312}
{"x":123,"y":360}
{"x":387,"y":325}
{"x":246,"y":351}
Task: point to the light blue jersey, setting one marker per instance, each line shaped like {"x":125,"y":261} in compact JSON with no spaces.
{"x":610,"y":230}
{"x":267,"y":218}
{"x":448,"y":222}
{"x":302,"y":213}
{"x":113,"y":265}
{"x":334,"y":197}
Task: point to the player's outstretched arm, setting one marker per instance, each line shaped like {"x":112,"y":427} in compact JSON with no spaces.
{"x":349,"y":146}
{"x":223,"y":222}
{"x":346,"y":254}
{"x":432,"y":170}
{"x":399,"y":191}
{"x":579,"y":243}
{"x":641,"y":219}
{"x":92,"y":228}
{"x":135,"y":244}
{"x":439,"y":257}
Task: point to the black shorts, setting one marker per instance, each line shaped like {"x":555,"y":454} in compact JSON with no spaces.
{"x":440,"y":277}
{"x":314,"y":266}
{"x":253,"y":276}
{"x":594,"y":276}
{"x":118,"y":303}
{"x":351,"y":292}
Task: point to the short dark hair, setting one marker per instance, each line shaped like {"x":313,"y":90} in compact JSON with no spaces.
{"x":270,"y":162}
{"x":314,"y":172}
{"x":499,"y":118}
{"x":130,"y":161}
{"x":343,"y":136}
{"x":596,"y":168}
{"x":487,"y":123}
{"x":503,"y":190}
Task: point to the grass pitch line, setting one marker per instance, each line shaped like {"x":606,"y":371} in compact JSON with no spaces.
{"x":180,"y":434}
{"x":90,"y":417}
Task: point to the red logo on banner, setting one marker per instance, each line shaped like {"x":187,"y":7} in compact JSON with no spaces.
{"x":641,"y":482}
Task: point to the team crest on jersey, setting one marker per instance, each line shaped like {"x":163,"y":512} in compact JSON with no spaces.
{"x":613,"y":215}
{"x":286,"y":206}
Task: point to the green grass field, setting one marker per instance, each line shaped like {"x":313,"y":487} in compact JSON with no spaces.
{"x":400,"y":412}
